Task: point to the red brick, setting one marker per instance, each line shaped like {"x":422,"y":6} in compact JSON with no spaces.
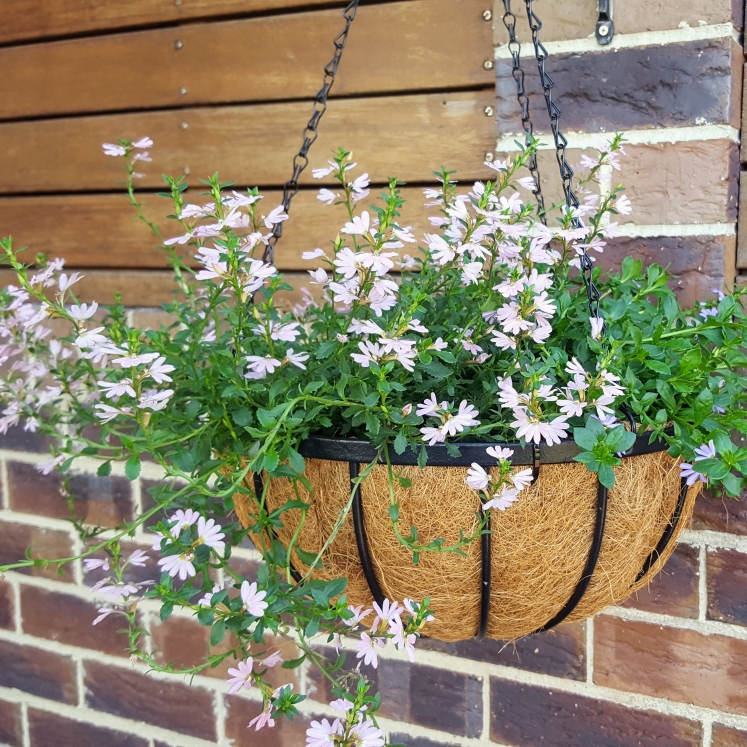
{"x":183,"y":642}
{"x":38,"y":672}
{"x":727,"y":581}
{"x":47,"y":729}
{"x":675,"y":590}
{"x":700,"y":263}
{"x":285,"y":733}
{"x":17,"y":439}
{"x":725,"y":736}
{"x":69,"y":619}
{"x":167,"y":703}
{"x":529,"y":716}
{"x":11,"y":726}
{"x":721,"y":514}
{"x":560,"y":652}
{"x":639,"y":87}
{"x":45,"y":543}
{"x":104,"y":501}
{"x":406,"y":739}
{"x":681,"y":665}
{"x":7,"y":607}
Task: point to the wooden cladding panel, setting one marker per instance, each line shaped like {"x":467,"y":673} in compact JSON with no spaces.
{"x":393,"y":47}
{"x":102,"y":230}
{"x":253,"y":145}
{"x":36,"y":19}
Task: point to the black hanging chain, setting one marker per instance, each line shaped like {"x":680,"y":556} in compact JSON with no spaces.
{"x":301,"y":161}
{"x":514,"y":47}
{"x":561,"y":143}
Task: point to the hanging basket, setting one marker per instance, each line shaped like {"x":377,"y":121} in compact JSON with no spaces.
{"x":566,"y":550}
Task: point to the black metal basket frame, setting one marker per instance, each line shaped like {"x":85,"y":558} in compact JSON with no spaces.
{"x":358,"y":451}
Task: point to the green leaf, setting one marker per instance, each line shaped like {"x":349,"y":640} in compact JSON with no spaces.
{"x":658,"y":367}
{"x":667,"y":395}
{"x":166,"y":609}
{"x":242,"y":416}
{"x":326,"y":349}
{"x":606,"y":476}
{"x":618,"y":439}
{"x":293,"y":663}
{"x":312,"y":628}
{"x":297,"y":461}
{"x":308,"y":558}
{"x":218,"y":633}
{"x":400,"y":443}
{"x":105,"y":469}
{"x":394,"y":512}
{"x":585,"y":438}
{"x":669,"y":307}
{"x":437,"y":369}
{"x":132,"y":467}
{"x":270,"y":461}
{"x":205,"y":617}
{"x":732,"y":484}
{"x":713,"y":468}
{"x":703,"y":406}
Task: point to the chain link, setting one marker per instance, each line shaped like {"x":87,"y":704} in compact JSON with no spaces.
{"x":514,"y":47}
{"x":561,"y":143}
{"x":301,"y":161}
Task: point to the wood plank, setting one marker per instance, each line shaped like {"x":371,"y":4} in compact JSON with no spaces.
{"x":392,"y":47}
{"x":742,"y":223}
{"x":36,"y":19}
{"x":102,"y":230}
{"x":404,"y":136}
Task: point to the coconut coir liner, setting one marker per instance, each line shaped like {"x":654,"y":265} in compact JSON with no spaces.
{"x":539,"y":545}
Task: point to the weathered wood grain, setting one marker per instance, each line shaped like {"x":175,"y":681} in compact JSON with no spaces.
{"x":36,"y":19}
{"x":102,"y":230}
{"x":393,"y":47}
{"x":404,"y":136}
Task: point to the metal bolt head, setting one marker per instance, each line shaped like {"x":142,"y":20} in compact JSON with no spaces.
{"x":185,"y":125}
{"x":177,"y":2}
{"x":183,"y":91}
{"x":604,"y":29}
{"x":186,"y":170}
{"x":490,"y":157}
{"x":488,"y":111}
{"x":488,"y":64}
{"x":178,"y":44}
{"x":487,"y":15}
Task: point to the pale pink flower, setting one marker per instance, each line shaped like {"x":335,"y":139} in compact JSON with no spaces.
{"x":207,"y":600}
{"x":275,"y":216}
{"x":183,"y":518}
{"x":92,"y":564}
{"x":241,"y":677}
{"x":272,"y":660}
{"x":502,"y":500}
{"x":155,"y":401}
{"x":498,"y":452}
{"x":522,"y":478}
{"x":115,"y":590}
{"x":404,"y":641}
{"x":464,"y":418}
{"x":597,"y":327}
{"x":131,"y":361}
{"x":159,"y":370}
{"x":110,"y":149}
{"x":264,"y":719}
{"x":137,"y":558}
{"x":432,"y":436}
{"x":477,"y":478}
{"x":253,"y":600}
{"x":313,"y":255}
{"x":319,"y":276}
{"x":359,"y":614}
{"x":323,"y":734}
{"x":296,"y":359}
{"x":327,"y":196}
{"x":47,"y":467}
{"x":365,"y":734}
{"x":106,"y":413}
{"x":371,"y":352}
{"x":623,"y":206}
{"x":66,"y":281}
{"x":117,"y":388}
{"x":366,"y":648}
{"x":208,"y":533}
{"x":104,"y":612}
{"x":431,"y":406}
{"x":178,"y":565}
{"x":359,"y":226}
{"x":144,"y":142}
{"x":388,"y":612}
{"x":260,"y":366}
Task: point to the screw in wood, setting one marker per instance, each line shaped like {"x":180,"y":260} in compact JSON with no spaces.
{"x":487,"y":15}
{"x":488,"y":64}
{"x":178,"y":44}
{"x":489,"y":156}
{"x":488,"y":111}
{"x":185,"y":125}
{"x":183,"y":91}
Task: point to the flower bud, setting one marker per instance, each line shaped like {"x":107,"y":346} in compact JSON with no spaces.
{"x":406,"y":410}
{"x":342,"y":338}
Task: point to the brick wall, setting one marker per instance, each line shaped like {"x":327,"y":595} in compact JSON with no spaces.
{"x":667,"y":668}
